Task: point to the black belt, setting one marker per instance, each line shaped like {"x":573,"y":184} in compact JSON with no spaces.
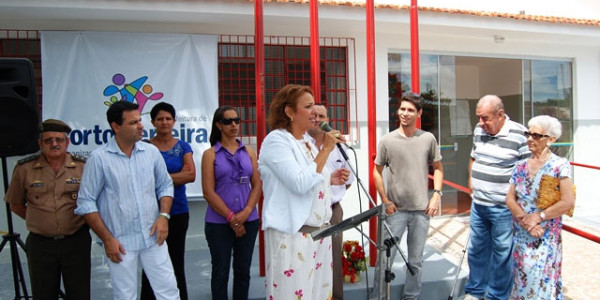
{"x":61,"y":237}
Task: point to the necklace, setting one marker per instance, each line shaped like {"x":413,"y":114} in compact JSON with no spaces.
{"x":309,"y":150}
{"x":535,"y":166}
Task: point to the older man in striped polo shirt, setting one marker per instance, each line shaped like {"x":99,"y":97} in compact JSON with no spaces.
{"x":498,"y":143}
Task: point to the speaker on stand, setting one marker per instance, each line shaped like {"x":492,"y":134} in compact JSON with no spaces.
{"x":19,"y":130}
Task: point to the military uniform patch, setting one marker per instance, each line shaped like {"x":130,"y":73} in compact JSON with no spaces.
{"x":78,"y":157}
{"x":73,"y":180}
{"x":28,"y":159}
{"x":36,"y":183}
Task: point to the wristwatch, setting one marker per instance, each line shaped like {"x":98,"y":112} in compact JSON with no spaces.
{"x":543,"y":215}
{"x":439,"y":192}
{"x":165,"y":215}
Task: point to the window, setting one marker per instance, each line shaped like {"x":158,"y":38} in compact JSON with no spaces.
{"x":451,"y":87}
{"x":287,"y":60}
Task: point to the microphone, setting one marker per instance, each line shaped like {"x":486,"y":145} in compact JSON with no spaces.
{"x":327,"y":128}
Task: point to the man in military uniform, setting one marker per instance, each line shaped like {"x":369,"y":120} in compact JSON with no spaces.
{"x":43,"y":191}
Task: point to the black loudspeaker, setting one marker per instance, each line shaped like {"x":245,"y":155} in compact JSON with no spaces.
{"x":19,"y":121}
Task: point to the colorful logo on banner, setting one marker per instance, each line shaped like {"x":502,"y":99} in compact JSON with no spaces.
{"x":134,"y":91}
{"x":141,"y":93}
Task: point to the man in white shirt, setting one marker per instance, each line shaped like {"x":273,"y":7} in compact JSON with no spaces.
{"x":335,"y":161}
{"x":119,"y":197}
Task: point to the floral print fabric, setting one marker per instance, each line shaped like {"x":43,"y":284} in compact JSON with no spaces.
{"x":298,"y":267}
{"x":537,"y":262}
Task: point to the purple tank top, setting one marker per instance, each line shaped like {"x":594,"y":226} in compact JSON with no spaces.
{"x":232,"y":181}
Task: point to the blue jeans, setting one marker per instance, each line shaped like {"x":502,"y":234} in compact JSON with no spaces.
{"x":490,"y":251}
{"x":417,"y":223}
{"x":221,"y":242}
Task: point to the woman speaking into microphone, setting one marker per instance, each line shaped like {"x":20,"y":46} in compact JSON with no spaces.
{"x":296,"y":187}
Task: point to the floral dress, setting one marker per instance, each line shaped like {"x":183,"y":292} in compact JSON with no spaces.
{"x":300,"y":268}
{"x":537,"y":261}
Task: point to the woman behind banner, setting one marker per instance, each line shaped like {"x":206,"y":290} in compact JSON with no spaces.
{"x":537,"y":254}
{"x":178,"y":156}
{"x":231,"y":186}
{"x":297,"y":200}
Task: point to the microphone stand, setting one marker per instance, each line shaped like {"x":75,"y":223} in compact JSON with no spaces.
{"x":389,"y":275}
{"x":382,"y":224}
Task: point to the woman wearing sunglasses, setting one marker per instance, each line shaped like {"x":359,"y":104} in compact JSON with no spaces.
{"x":178,"y":157}
{"x":231,"y":185}
{"x":537,"y":253}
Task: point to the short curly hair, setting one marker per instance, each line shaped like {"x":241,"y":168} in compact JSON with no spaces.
{"x":551,"y":125}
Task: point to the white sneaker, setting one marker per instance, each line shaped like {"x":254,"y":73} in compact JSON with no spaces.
{"x":470,"y":297}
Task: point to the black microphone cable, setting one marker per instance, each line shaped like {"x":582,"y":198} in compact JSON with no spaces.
{"x":360,"y":207}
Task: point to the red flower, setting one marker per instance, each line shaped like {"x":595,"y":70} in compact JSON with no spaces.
{"x":348,"y":247}
{"x":353,"y":259}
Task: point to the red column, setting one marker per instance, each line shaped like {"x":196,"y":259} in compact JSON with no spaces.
{"x":414,"y":50}
{"x":259,"y":66}
{"x":371,"y":121}
{"x":315,"y":67}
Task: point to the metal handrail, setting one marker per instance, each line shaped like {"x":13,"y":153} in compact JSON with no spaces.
{"x":568,"y":228}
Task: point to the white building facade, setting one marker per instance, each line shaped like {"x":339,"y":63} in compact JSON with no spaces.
{"x":541,"y":58}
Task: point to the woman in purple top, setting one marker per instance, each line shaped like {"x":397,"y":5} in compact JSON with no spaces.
{"x":231,"y":186}
{"x":180,"y":164}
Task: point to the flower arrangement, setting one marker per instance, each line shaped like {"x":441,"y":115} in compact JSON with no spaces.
{"x":353,"y":261}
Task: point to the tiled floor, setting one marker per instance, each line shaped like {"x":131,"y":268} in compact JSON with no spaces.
{"x":581,"y":257}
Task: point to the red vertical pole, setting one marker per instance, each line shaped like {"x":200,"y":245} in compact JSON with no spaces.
{"x":259,"y":66}
{"x":371,"y":120}
{"x":315,"y":67}
{"x":414,"y":50}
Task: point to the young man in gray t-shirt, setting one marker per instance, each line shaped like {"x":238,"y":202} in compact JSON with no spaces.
{"x":407,"y":153}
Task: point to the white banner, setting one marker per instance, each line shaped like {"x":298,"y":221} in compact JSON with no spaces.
{"x":84,"y":72}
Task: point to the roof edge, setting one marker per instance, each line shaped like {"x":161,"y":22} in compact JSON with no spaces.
{"x":521,"y":17}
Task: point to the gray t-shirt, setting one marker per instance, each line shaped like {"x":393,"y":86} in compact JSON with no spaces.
{"x":408,"y":161}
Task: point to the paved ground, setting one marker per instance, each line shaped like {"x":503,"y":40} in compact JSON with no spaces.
{"x":581,"y":257}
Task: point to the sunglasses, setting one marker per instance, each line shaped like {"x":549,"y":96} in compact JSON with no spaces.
{"x":535,"y":136}
{"x":58,"y":140}
{"x":228,"y":121}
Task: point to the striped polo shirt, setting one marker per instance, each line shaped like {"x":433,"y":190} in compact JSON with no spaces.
{"x":494,"y":159}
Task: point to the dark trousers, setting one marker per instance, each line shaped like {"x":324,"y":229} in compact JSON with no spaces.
{"x":221,"y":242}
{"x":336,"y":253}
{"x":178,"y":226}
{"x":50,"y":258}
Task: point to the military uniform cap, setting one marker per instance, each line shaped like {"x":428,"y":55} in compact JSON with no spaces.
{"x":55,"y":125}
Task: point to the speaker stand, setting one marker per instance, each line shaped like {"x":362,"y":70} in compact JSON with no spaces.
{"x":13,"y":239}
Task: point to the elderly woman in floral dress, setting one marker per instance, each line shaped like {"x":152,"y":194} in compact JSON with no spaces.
{"x":537,"y":254}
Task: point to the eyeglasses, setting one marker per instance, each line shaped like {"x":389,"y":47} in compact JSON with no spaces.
{"x":50,"y":141}
{"x":228,"y":121}
{"x":535,"y":136}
